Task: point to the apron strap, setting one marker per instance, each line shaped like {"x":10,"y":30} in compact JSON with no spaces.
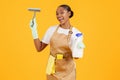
{"x":56,"y":28}
{"x":70,"y":33}
{"x":55,"y":31}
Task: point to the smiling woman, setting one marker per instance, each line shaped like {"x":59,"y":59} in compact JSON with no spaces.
{"x":61,"y":39}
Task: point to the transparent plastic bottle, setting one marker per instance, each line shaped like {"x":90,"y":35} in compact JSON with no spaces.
{"x":77,"y":46}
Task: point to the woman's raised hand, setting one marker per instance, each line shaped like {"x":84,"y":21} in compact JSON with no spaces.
{"x":33,"y":26}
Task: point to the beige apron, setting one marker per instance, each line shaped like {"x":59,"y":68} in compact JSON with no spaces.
{"x":64,"y":68}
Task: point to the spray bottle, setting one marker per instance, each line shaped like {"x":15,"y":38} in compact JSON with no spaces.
{"x":77,"y":46}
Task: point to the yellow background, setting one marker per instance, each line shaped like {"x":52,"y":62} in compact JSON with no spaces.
{"x":97,"y":19}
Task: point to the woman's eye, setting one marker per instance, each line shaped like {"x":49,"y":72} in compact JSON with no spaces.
{"x":61,"y":12}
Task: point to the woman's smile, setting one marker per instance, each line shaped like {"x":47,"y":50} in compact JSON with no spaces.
{"x":60,"y":19}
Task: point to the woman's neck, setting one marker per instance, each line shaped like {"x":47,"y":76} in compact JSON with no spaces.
{"x":67,"y":25}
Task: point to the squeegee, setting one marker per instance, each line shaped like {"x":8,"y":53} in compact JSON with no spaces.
{"x":34,"y":10}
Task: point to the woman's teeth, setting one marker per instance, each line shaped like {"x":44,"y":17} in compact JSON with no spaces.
{"x":60,"y":19}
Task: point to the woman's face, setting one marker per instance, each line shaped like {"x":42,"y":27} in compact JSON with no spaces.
{"x":62,"y":15}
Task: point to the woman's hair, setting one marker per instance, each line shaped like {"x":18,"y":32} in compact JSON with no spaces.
{"x":66,"y":7}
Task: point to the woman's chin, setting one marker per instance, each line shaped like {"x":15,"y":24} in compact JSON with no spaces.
{"x":62,"y":23}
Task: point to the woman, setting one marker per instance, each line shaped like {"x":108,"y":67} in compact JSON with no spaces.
{"x":60,"y":64}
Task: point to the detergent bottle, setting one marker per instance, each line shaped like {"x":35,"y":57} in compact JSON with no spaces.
{"x":77,"y":46}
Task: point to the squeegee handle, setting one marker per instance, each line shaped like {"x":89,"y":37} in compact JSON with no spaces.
{"x":33,"y":18}
{"x":34,"y":15}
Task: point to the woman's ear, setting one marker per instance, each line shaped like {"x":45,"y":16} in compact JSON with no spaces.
{"x":69,"y":13}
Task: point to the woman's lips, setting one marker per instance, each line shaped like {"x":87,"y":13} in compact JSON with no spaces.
{"x":60,"y":19}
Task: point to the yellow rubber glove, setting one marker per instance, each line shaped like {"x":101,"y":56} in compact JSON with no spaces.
{"x":50,"y":65}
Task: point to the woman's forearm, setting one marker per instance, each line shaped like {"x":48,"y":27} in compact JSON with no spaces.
{"x":39,"y":45}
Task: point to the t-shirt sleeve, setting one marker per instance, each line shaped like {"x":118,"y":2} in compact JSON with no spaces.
{"x":46,"y":38}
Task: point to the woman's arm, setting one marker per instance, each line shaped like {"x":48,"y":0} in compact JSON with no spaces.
{"x":39,"y":45}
